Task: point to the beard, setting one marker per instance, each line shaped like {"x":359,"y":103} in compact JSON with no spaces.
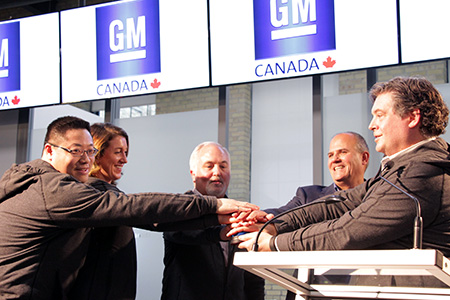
{"x":215,"y":189}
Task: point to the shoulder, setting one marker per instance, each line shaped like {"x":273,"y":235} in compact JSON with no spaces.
{"x":190,"y":192}
{"x":37,"y":167}
{"x":426,"y":159}
{"x":437,"y":149}
{"x":314,"y":189}
{"x":21,"y":177}
{"x":313,"y":192}
{"x":102,"y":185}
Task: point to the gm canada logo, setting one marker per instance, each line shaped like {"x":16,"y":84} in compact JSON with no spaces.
{"x":10,"y":57}
{"x":128,"y":39}
{"x":286,"y":27}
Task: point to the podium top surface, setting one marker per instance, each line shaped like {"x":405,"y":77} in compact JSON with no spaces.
{"x":410,"y":262}
{"x":346,"y":259}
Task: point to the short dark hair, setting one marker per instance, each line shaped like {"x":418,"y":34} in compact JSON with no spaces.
{"x":58,"y":128}
{"x":410,"y":93}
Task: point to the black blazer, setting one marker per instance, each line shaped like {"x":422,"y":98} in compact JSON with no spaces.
{"x":304,"y":195}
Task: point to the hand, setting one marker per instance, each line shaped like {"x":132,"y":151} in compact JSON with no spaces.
{"x":248,"y":241}
{"x":256,"y":216}
{"x":226,"y":219}
{"x":236,"y":228}
{"x":228,"y":206}
{"x":245,"y":218}
{"x":248,"y":218}
{"x":223,"y":233}
{"x":244,"y":227}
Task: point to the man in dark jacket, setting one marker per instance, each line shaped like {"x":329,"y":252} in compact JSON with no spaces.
{"x":46,"y":212}
{"x":408,"y":116}
{"x":198,"y":264}
{"x":348,"y":159}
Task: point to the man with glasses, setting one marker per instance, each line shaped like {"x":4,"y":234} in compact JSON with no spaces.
{"x":47,"y":212}
{"x":78,"y":152}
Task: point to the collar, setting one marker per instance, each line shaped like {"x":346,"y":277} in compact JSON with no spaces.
{"x":405,"y":151}
{"x":336,"y":188}
{"x":194,"y":190}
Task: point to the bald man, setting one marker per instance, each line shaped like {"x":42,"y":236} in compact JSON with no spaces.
{"x":348,"y":159}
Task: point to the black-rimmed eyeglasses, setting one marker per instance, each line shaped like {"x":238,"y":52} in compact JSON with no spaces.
{"x":77,"y":152}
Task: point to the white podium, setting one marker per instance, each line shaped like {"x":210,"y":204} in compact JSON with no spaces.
{"x":414,"y":262}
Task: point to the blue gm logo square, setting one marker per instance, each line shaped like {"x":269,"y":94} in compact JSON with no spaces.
{"x":286,"y":27}
{"x":128,"y":41}
{"x":10,"y":57}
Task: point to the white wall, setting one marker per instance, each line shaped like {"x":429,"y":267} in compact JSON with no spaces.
{"x":282,"y":153}
{"x":160,"y":147}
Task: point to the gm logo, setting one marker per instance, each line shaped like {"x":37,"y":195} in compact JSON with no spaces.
{"x":286,"y":27}
{"x":128,"y":40}
{"x":10,"y":57}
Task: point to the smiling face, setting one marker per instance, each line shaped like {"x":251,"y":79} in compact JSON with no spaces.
{"x":211,"y":174}
{"x":392,"y":132}
{"x":112,"y":160}
{"x":346,"y":162}
{"x":63,"y":161}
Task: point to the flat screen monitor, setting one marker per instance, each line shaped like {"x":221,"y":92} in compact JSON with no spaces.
{"x":127,"y":48}
{"x":29,"y":62}
{"x":254,"y":40}
{"x":424,"y":29}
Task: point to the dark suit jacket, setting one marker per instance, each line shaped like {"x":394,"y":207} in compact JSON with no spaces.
{"x":304,"y":195}
{"x":109,"y":272}
{"x":196,"y":268}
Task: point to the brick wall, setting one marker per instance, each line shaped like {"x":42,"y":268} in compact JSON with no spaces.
{"x":352,"y":82}
{"x":274,"y":292}
{"x":434,"y":71}
{"x":190,"y":100}
{"x":355,"y":81}
{"x":239,"y":140}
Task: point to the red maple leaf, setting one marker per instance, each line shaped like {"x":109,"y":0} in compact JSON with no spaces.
{"x":329,"y":63}
{"x":155,"y":84}
{"x":15,"y":100}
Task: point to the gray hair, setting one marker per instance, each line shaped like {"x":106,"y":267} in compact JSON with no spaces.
{"x":194,"y":155}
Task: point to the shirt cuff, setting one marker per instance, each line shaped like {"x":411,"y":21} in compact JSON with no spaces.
{"x":273,"y":244}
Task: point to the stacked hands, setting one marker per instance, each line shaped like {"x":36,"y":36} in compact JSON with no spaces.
{"x":243,"y":217}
